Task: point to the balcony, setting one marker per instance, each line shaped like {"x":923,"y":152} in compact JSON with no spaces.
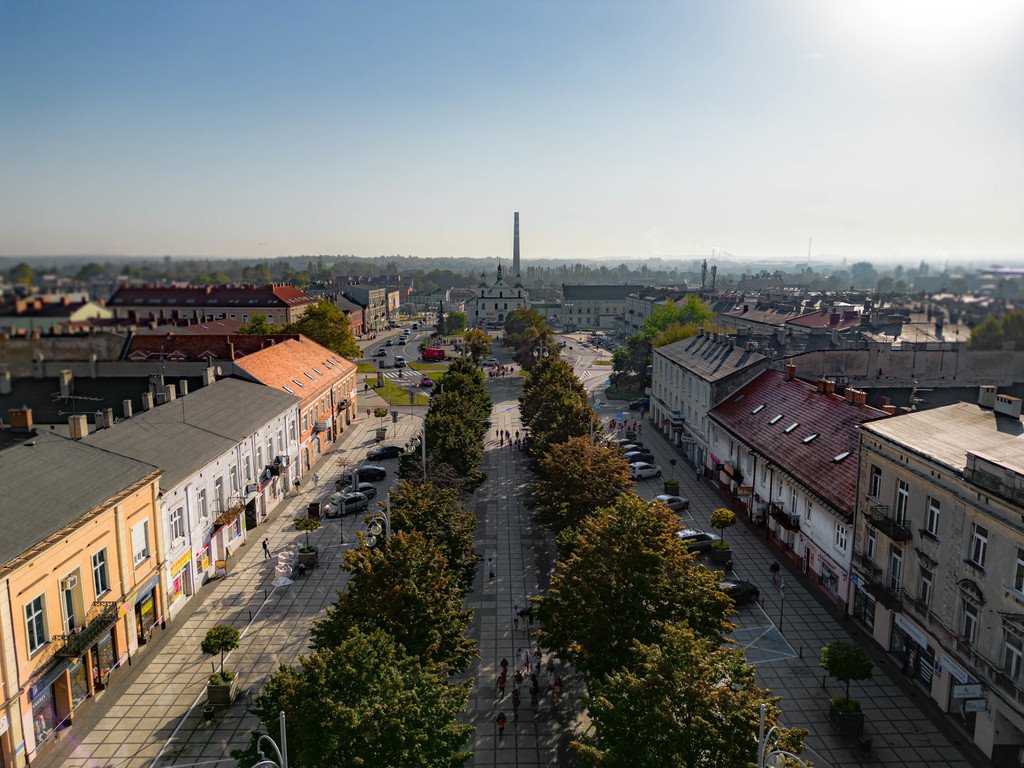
{"x":866,"y":564}
{"x":322,"y":426}
{"x":787,"y":521}
{"x":878,"y":518}
{"x":890,"y":597}
{"x":101,"y":617}
{"x":676,"y":417}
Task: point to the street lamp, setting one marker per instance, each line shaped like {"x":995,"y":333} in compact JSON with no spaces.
{"x":375,"y":529}
{"x":769,"y":753}
{"x":282,"y":753}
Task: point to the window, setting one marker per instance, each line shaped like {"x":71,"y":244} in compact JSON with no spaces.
{"x":201,"y":503}
{"x":34,"y":622}
{"x":291,"y":430}
{"x":895,"y":568}
{"x":270,"y":450}
{"x":924,"y":590}
{"x":259,"y":459}
{"x":233,"y":474}
{"x":1013,"y":652}
{"x":902,"y":499}
{"x":218,"y":493}
{"x":1018,"y":572}
{"x":979,"y":545}
{"x":178,"y":524}
{"x":792,"y":501}
{"x":305,"y":422}
{"x":100,"y":583}
{"x":869,"y":546}
{"x":840,"y":540}
{"x":933,"y":516}
{"x":810,"y":507}
{"x":969,"y":626}
{"x":875,"y":484}
{"x":68,"y":599}
{"x":140,"y":542}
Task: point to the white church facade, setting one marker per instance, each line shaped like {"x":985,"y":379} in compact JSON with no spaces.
{"x":492,"y":303}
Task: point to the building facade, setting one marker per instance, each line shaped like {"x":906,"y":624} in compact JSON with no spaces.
{"x":939,"y":560}
{"x":688,"y":378}
{"x":278,"y":303}
{"x":374,"y":302}
{"x":595,"y":307}
{"x":491,"y":304}
{"x":80,"y":589}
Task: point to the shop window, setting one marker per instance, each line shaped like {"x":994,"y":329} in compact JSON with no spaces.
{"x":969,"y":623}
{"x":100,"y":582}
{"x":1013,"y":654}
{"x":140,"y":542}
{"x":979,"y":545}
{"x":875,"y":483}
{"x":902,"y":501}
{"x":35,"y":622}
{"x":933,"y":516}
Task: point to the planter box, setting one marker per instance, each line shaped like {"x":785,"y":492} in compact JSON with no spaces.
{"x":220,"y":695}
{"x":308,"y":559}
{"x":846,"y":723}
{"x":720,"y":556}
{"x":671,"y":487}
{"x":382,"y":433}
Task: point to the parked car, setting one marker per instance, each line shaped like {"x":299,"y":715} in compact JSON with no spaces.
{"x":630,"y":446}
{"x":635,"y":456}
{"x":643,"y":404}
{"x":369,"y":490}
{"x":741,"y":591}
{"x":386,"y":451}
{"x":426,"y":381}
{"x":697,"y":541}
{"x":489,"y":362}
{"x":675,"y":503}
{"x":629,"y":441}
{"x":368,"y":473}
{"x":346,"y":504}
{"x":642,"y":469}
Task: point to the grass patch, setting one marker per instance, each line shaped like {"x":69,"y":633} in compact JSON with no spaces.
{"x":615,"y":393}
{"x":429,"y":367}
{"x":366,"y":368}
{"x":456,"y":335}
{"x":396,"y":395}
{"x":603,"y":361}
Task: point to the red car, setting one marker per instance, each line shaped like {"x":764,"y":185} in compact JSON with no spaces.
{"x":426,"y":381}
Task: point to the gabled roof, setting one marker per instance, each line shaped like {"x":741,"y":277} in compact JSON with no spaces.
{"x":709,"y":359}
{"x":298,"y":366}
{"x":199,"y":347}
{"x":767,"y":316}
{"x":838,"y":321}
{"x":186,"y":434}
{"x":762,"y":414}
{"x":597,"y":292}
{"x":237,"y":296}
{"x":50,"y":481}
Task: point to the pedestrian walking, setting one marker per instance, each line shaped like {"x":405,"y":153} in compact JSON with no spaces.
{"x":515,"y":617}
{"x":266,"y":549}
{"x":551,"y":677}
{"x":515,"y":703}
{"x":501,"y":684}
{"x":558,"y":687}
{"x":517,"y":435}
{"x":490,"y":568}
{"x":500,"y":722}
{"x":316,"y":480}
{"x":537,"y":658}
{"x":534,"y":689}
{"x":504,"y":666}
{"x":517,"y":681}
{"x":774,"y":569}
{"x":526,"y":659}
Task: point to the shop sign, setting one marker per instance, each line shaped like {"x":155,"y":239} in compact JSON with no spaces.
{"x":954,"y":669}
{"x":966,"y":691}
{"x":145,"y":589}
{"x":975,"y":705}
{"x":181,"y":562}
{"x":855,"y":579}
{"x":912,"y":631}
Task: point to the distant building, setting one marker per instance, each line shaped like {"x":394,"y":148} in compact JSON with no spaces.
{"x":38,"y":314}
{"x":491,"y":304}
{"x":595,"y":307}
{"x":199,"y":347}
{"x":373,"y":301}
{"x":939,"y":560}
{"x":278,"y":303}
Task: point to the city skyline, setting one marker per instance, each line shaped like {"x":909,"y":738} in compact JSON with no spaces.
{"x":889,"y":131}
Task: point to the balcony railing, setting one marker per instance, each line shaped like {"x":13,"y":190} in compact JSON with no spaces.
{"x":866,"y":564}
{"x":787,"y":521}
{"x":878,"y":517}
{"x":322,"y":426}
{"x":102,"y":617}
{"x":890,"y":597}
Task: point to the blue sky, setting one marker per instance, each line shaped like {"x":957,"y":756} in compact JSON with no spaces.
{"x":619,"y":130}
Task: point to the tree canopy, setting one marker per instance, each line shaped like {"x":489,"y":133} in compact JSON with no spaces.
{"x":527,"y":330}
{"x":992,"y":332}
{"x":478,"y":344}
{"x":577,"y":477}
{"x":258,"y":326}
{"x":327,"y":325}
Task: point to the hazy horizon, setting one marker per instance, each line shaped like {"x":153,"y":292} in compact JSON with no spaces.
{"x":887,"y":131}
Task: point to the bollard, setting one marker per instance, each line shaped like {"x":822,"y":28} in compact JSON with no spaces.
{"x":250,"y":615}
{"x":265,"y":595}
{"x":801,"y":652}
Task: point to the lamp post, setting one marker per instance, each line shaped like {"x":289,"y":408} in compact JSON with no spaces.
{"x":281,"y":754}
{"x":375,"y":529}
{"x":769,"y":753}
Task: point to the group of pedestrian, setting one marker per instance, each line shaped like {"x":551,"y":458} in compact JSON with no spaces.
{"x":525,"y":673}
{"x":500,"y":371}
{"x":524,"y":614}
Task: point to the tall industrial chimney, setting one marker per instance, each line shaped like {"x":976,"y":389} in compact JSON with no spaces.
{"x":515,"y":247}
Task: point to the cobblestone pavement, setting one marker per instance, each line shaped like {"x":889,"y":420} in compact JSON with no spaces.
{"x":151,"y":715}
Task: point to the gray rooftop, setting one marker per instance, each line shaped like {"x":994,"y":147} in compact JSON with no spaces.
{"x":708,"y":359}
{"x":946,"y":434}
{"x":597,"y":292}
{"x":50,"y":481}
{"x":184,"y":435}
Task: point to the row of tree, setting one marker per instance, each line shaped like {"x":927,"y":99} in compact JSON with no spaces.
{"x":322,"y":322}
{"x":629,"y":607}
{"x":377,"y":689}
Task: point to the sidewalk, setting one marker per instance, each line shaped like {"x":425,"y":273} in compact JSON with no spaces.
{"x":152,"y":716}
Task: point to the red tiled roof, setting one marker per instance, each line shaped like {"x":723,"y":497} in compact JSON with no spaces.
{"x":823,"y":319}
{"x":835,"y":421}
{"x":200,"y":347}
{"x":298,"y":366}
{"x":274,"y":295}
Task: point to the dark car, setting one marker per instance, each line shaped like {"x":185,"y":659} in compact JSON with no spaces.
{"x":370,"y":473}
{"x":741,"y":591}
{"x":624,"y":441}
{"x":697,"y":541}
{"x":369,"y":490}
{"x":346,"y":504}
{"x":643,"y":404}
{"x":381,"y":352}
{"x":389,"y":342}
{"x":384,"y":452}
{"x":634,"y":456}
{"x":631,"y":446}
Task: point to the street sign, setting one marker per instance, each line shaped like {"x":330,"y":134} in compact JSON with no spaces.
{"x":967,"y":691}
{"x":412,"y":397}
{"x":975,"y":705}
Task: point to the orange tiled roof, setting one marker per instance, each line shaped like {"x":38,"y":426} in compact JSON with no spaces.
{"x":300,"y":367}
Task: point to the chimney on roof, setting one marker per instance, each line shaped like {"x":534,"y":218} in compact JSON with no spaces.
{"x":833,"y":318}
{"x":885,"y":401}
{"x":821,"y":384}
{"x":209,"y":376}
{"x":78,"y":426}
{"x":5,"y":383}
{"x":231,"y":350}
{"x":1008,"y":406}
{"x":889,"y":409}
{"x":790,"y":372}
{"x":104,"y":419}
{"x":147,"y":401}
{"x":183,"y":387}
{"x":126,"y":406}
{"x":830,"y":387}
{"x":987,"y":396}
{"x":66,"y":381}
{"x":156,"y":382}
{"x":20,"y":419}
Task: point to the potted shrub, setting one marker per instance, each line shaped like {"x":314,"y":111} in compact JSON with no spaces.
{"x":846,"y":661}
{"x":307,"y":553}
{"x":672,"y":487}
{"x":721,"y":519}
{"x":382,"y":431}
{"x":220,"y":691}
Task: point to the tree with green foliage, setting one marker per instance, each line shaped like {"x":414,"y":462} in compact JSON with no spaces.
{"x":548,"y":379}
{"x":478,"y":344}
{"x":438,"y":513}
{"x":577,"y":477}
{"x":328,"y":326}
{"x":307,"y":525}
{"x":561,"y":415}
{"x":627,"y":576}
{"x":722,"y":518}
{"x":89,"y":272}
{"x":364,"y":702}
{"x":691,"y":311}
{"x":406,"y":589}
{"x":258,"y":326}
{"x":454,"y":432}
{"x":22,"y":274}
{"x":683,"y":700}
{"x":673,"y":333}
{"x":987,"y":335}
{"x":846,"y":661}
{"x":220,"y":640}
{"x":440,"y":474}
{"x":526,"y":331}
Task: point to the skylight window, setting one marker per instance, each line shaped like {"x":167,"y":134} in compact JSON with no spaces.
{"x":810,"y":437}
{"x":792,"y":426}
{"x":758,"y":409}
{"x":298,"y":383}
{"x":775,"y":419}
{"x":840,"y":457}
{"x":308,"y":375}
{"x":289,"y":390}
{"x":739,"y":398}
{"x":321,"y":373}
